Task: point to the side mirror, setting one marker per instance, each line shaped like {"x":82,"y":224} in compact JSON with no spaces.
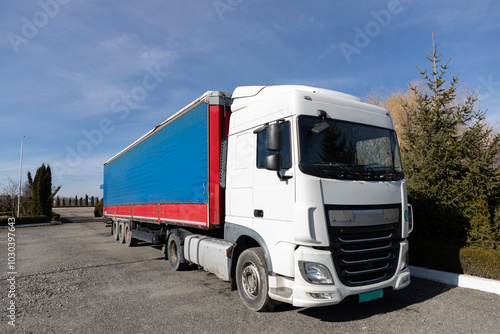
{"x":273,"y":137}
{"x":273,"y":162}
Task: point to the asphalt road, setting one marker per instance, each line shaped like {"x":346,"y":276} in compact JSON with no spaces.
{"x":72,"y":278}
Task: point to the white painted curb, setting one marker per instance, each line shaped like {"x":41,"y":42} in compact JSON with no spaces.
{"x":463,"y":281}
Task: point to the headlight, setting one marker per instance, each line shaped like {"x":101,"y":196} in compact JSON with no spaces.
{"x":315,"y":273}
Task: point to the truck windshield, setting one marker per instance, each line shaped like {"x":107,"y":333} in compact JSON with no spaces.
{"x":348,"y":151}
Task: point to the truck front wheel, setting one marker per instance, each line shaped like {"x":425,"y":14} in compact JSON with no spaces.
{"x":252,"y":280}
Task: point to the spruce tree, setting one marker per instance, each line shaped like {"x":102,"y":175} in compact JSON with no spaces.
{"x":449,"y":157}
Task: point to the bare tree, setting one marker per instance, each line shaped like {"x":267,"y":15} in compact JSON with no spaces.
{"x":10,"y":193}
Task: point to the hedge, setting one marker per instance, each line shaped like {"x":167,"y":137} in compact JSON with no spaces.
{"x":480,"y":262}
{"x":26,"y":220}
{"x":455,"y":258}
{"x":30,"y":219}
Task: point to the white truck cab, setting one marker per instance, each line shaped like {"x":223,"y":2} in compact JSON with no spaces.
{"x":315,"y":177}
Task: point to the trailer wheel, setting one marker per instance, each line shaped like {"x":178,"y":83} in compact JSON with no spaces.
{"x":121,"y":232}
{"x":115,"y":229}
{"x":129,"y":241}
{"x":252,"y":280}
{"x":174,"y":253}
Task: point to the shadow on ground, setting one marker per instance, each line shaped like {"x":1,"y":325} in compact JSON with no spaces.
{"x":80,"y":220}
{"x":419,"y":291}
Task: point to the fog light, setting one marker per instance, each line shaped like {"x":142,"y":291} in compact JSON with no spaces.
{"x":321,"y":295}
{"x":315,"y":273}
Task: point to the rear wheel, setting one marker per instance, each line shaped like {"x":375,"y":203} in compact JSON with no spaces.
{"x":174,"y":253}
{"x":129,"y":241}
{"x":121,"y":232}
{"x":115,"y":229}
{"x":252,"y":280}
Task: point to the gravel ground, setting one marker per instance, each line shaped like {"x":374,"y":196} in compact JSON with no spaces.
{"x":72,"y":278}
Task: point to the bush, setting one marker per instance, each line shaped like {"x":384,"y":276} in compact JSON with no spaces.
{"x":452,"y":257}
{"x":480,"y":262}
{"x":55,"y":217}
{"x":98,"y":210}
{"x":26,"y":220}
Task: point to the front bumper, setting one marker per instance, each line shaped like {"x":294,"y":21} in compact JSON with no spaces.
{"x":301,"y":293}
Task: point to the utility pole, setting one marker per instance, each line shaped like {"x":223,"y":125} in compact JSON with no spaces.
{"x":20,"y":178}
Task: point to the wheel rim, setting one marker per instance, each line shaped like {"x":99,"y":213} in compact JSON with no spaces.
{"x":251,"y":280}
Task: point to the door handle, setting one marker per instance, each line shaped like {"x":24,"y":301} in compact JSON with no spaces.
{"x":258,"y":213}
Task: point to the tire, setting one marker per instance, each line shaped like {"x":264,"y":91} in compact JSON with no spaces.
{"x":115,"y":229}
{"x":175,"y":257}
{"x":252,"y":280}
{"x":121,"y":232}
{"x":127,"y":232}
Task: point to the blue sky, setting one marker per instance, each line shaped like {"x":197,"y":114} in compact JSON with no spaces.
{"x":82,"y":79}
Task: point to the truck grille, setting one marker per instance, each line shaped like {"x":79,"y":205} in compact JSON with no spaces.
{"x":365,"y":254}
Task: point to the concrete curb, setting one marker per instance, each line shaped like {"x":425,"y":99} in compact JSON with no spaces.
{"x":460,"y":280}
{"x":32,"y":225}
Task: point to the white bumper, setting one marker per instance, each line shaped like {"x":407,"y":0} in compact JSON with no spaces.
{"x":301,"y":293}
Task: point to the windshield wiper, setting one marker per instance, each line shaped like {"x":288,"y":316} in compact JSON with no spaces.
{"x":349,"y":171}
{"x":389,"y":173}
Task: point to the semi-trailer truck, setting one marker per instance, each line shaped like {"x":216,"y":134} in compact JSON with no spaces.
{"x":292,"y":194}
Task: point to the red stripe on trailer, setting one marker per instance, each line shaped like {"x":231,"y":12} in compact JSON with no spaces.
{"x":183,"y":214}
{"x":123,"y":211}
{"x":146,"y":211}
{"x":109,"y":211}
{"x":190,"y":214}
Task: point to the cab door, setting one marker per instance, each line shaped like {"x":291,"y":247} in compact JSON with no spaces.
{"x":273,"y":195}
